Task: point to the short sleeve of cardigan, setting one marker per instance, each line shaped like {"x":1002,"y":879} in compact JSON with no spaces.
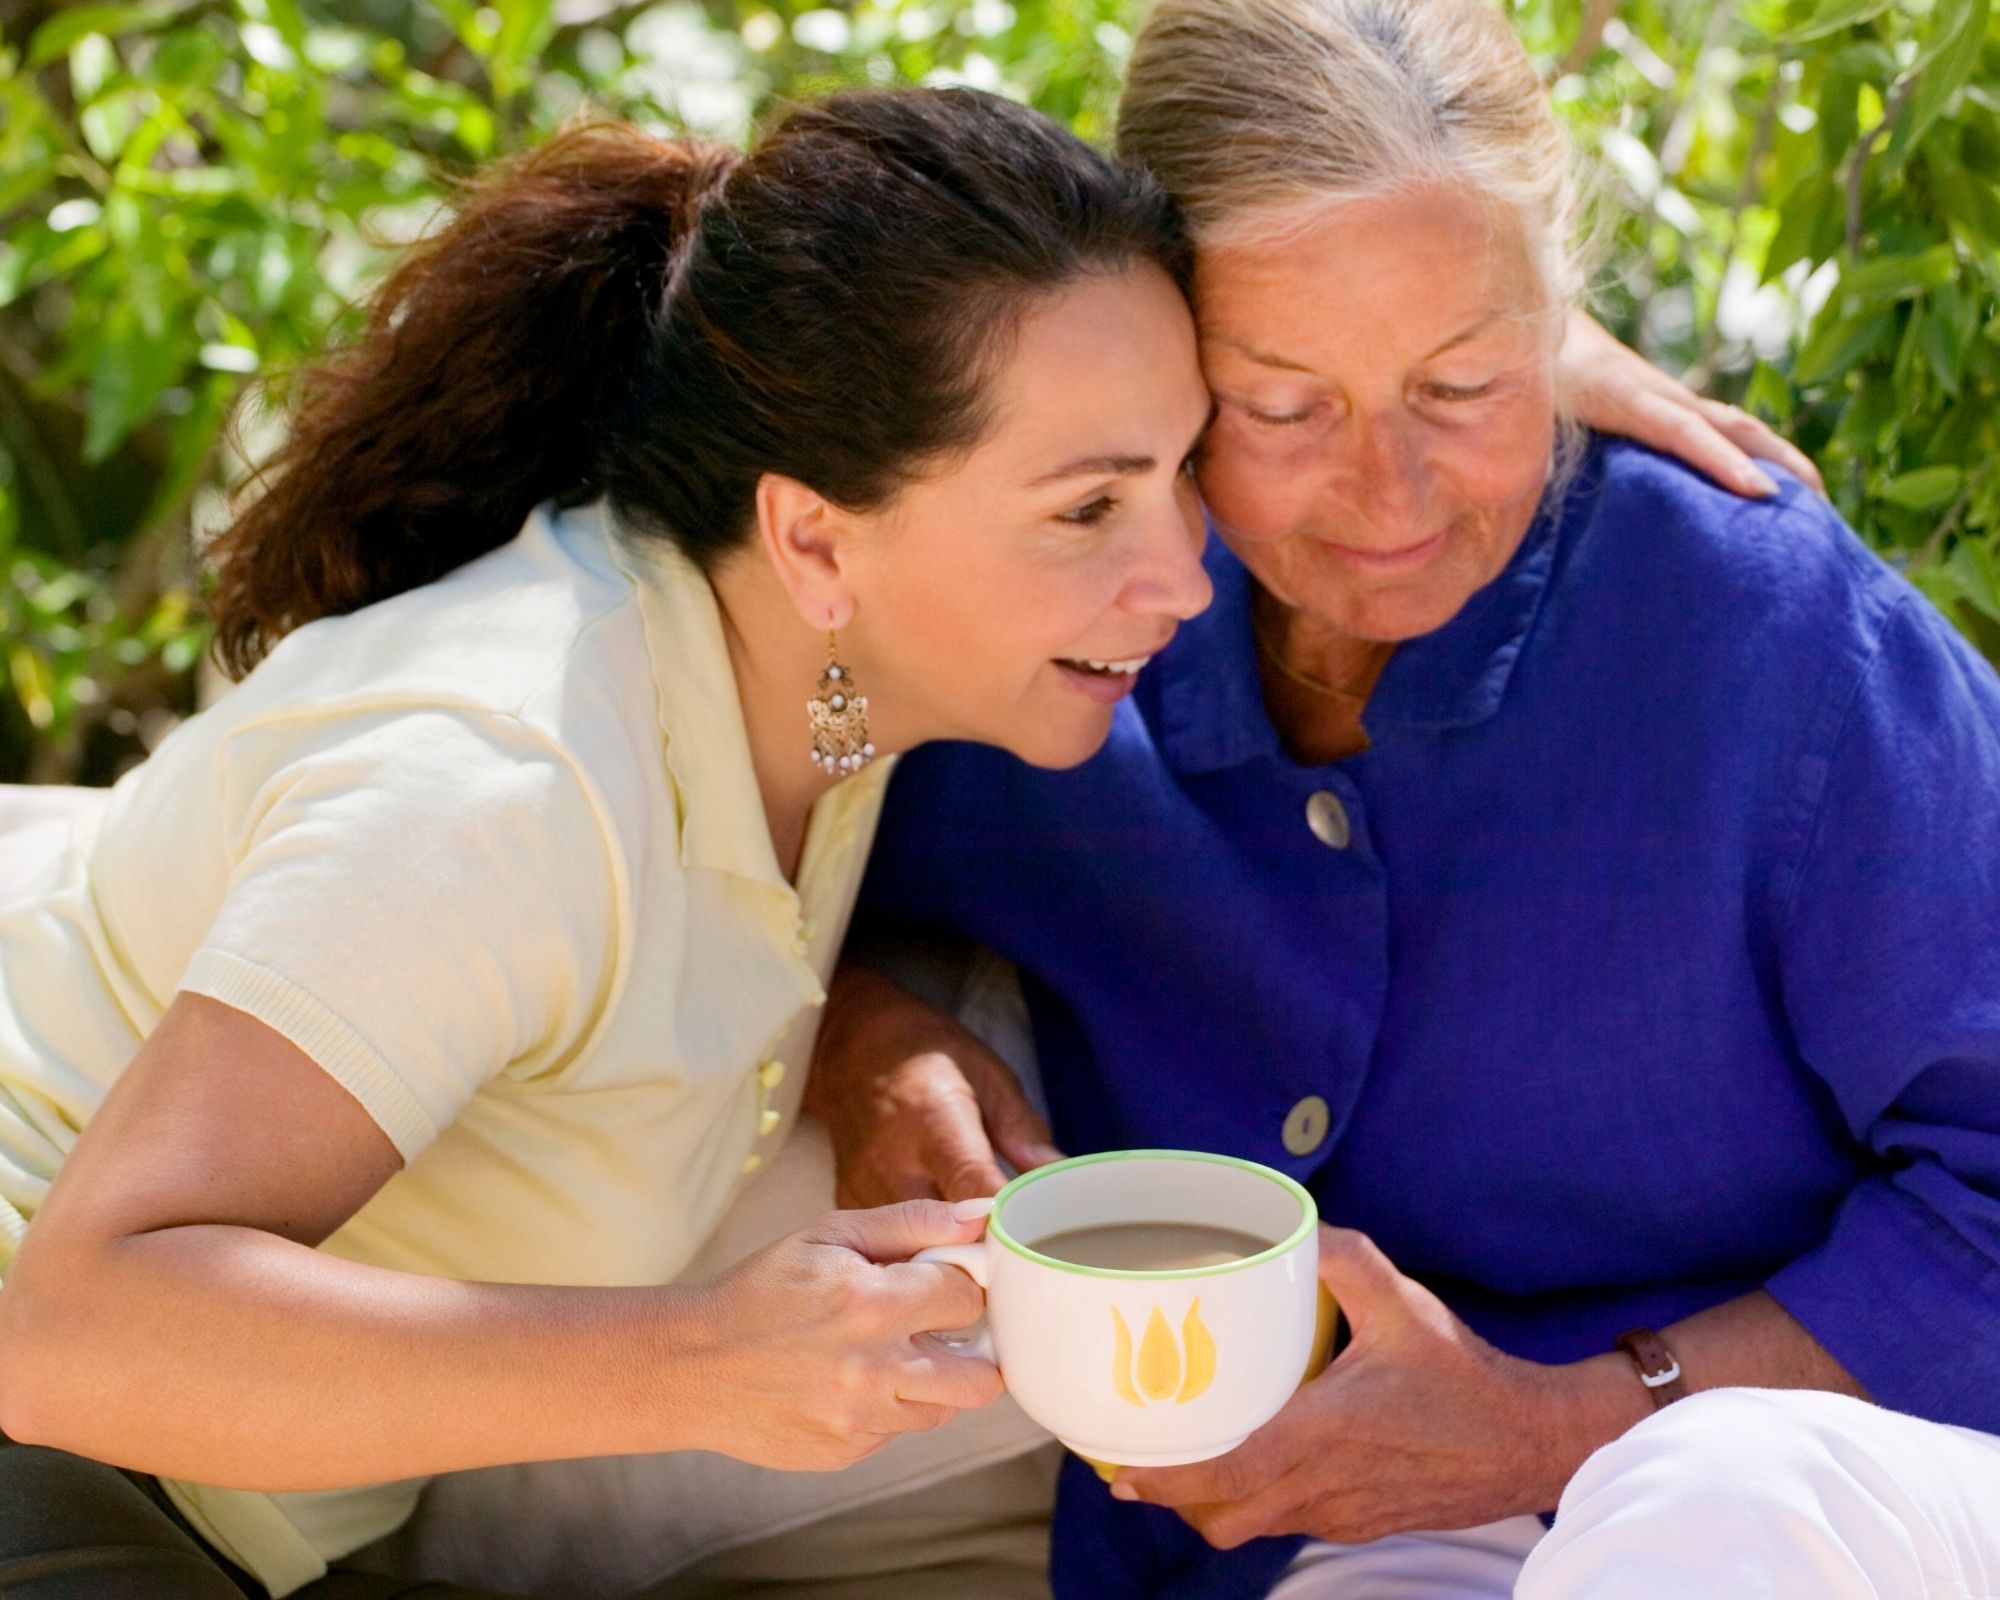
{"x":419,"y":899}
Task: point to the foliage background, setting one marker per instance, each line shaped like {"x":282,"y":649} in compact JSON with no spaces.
{"x":1805,"y":198}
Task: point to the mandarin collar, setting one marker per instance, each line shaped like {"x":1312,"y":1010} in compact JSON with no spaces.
{"x":721,"y":810}
{"x":1211,"y":697}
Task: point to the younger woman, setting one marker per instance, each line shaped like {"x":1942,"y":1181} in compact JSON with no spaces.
{"x":372,"y":1063}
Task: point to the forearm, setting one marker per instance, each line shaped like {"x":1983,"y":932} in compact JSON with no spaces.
{"x":1749,"y":1342}
{"x":229,"y":1356}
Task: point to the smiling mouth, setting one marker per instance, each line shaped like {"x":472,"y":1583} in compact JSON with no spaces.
{"x":1105,"y":669}
{"x":1388,"y":560}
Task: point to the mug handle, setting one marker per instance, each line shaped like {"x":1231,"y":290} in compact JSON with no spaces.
{"x":975,"y":1263}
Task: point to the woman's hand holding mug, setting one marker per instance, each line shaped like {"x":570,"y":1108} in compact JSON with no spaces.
{"x":808,"y":1356}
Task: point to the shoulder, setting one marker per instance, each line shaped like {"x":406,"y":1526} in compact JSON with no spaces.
{"x":489,"y":634}
{"x":537,"y":645}
{"x":1673,"y":517}
{"x":1782,"y":583}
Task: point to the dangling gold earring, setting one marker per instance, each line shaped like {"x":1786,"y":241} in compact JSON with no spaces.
{"x":839,"y":719}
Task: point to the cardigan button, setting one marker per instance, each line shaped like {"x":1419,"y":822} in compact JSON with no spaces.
{"x":1327,"y":818}
{"x":1306,"y":1126}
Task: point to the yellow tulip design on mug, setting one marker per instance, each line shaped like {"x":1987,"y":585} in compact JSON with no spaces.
{"x":1166,"y":1369}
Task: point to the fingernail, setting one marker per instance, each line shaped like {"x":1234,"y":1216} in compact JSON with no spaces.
{"x":970,"y":1210}
{"x":1121,"y":1490}
{"x":1762,"y":481}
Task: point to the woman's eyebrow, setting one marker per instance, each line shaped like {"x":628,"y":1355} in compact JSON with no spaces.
{"x":1097,"y":467}
{"x":1263,"y":358}
{"x":1471,"y":331}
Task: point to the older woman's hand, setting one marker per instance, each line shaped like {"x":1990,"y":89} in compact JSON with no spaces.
{"x":1418,"y":1424}
{"x":917,"y":1107}
{"x":1616,"y":390}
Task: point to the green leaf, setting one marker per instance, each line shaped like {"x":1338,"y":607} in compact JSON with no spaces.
{"x":286,"y":17}
{"x":1980,"y":146}
{"x":1968,"y":202}
{"x":1943,"y":350}
{"x":1924,"y":489}
{"x":1972,"y":564}
{"x":1838,"y":344}
{"x":187,"y":57}
{"x":1941,"y":77}
{"x":1798,"y":221}
{"x":1959,"y":437}
{"x":54,"y":37}
{"x":132,"y":368}
{"x":525,"y":27}
{"x":1839,"y":111}
{"x":1886,"y":279}
{"x":1833,"y":16}
{"x":1769,"y":395}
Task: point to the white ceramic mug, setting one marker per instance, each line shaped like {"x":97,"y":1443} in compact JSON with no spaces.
{"x":1150,"y":1368}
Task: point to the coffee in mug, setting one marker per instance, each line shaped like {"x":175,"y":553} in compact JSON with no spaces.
{"x":1152,"y":1246}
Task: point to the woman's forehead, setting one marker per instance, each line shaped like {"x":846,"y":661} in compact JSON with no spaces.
{"x":1414,"y":272}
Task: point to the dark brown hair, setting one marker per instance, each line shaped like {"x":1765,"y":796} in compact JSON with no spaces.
{"x":665,"y":321}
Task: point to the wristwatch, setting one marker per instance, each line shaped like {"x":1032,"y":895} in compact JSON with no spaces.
{"x":1658,"y":1370}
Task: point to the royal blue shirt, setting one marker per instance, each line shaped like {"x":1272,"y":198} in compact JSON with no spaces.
{"x":1648,"y":956}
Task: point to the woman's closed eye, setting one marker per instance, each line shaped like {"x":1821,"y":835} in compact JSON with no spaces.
{"x":1458,"y":392}
{"x":1283,"y":419}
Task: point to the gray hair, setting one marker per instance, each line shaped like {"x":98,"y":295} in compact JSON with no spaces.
{"x":1258,"y":114}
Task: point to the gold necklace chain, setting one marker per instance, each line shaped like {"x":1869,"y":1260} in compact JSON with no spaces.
{"x":1269,"y":651}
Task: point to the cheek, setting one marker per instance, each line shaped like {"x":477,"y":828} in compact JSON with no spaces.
{"x":1255,"y":487}
{"x":1506,"y":458}
{"x":1001,"y":615}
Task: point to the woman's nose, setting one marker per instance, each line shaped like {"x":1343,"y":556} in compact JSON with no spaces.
{"x":1171,"y":580}
{"x":1385,"y":481}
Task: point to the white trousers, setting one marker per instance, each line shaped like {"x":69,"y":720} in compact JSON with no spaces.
{"x":1734,"y":1494}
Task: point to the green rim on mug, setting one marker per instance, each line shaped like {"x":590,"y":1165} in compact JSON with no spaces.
{"x":1309,"y":1220}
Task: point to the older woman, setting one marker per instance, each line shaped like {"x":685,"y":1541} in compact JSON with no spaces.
{"x":1584,"y":880}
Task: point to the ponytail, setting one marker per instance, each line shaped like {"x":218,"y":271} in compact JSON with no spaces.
{"x":491,"y":356}
{"x":664,"y":323}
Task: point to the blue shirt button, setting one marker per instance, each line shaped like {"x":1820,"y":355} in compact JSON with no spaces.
{"x":1306,"y":1125}
{"x":1327,"y":818}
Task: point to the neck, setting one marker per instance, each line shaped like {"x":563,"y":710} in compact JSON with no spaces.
{"x":1317,"y":680}
{"x":776,"y":661}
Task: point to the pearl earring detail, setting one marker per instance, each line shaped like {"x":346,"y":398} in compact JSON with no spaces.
{"x":839,"y":719}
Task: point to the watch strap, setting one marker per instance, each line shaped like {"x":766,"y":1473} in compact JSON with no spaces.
{"x":1659,"y":1371}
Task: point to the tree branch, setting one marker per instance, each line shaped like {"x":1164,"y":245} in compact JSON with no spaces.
{"x":1864,"y":152}
{"x":1588,"y":38}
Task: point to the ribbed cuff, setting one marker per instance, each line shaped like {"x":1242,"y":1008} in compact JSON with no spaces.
{"x":329,"y":1040}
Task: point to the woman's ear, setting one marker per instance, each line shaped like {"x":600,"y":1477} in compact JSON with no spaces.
{"x":804,"y":534}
